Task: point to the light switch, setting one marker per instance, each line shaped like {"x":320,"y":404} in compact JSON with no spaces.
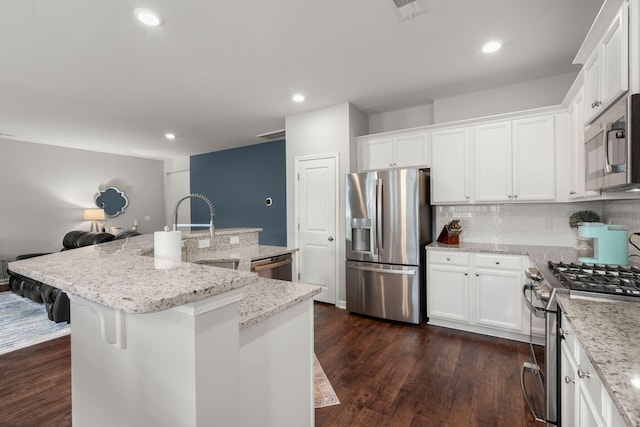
{"x":234,"y":240}
{"x":204,"y":243}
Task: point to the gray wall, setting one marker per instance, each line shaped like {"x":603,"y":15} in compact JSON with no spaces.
{"x":45,"y":190}
{"x":505,"y":99}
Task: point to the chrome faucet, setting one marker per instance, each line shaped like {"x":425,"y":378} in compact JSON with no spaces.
{"x":194,"y":196}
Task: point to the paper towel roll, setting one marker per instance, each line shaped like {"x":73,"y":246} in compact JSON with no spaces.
{"x":167,"y":245}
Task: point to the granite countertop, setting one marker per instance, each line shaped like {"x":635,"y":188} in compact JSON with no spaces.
{"x":117,"y":274}
{"x":610,"y":335}
{"x":267,"y":297}
{"x":537,"y":254}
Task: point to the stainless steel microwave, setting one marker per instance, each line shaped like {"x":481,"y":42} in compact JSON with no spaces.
{"x":612,"y":147}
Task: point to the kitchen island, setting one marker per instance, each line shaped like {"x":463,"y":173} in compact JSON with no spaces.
{"x":185,"y":344}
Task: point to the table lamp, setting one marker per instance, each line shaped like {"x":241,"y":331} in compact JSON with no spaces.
{"x":94,"y":215}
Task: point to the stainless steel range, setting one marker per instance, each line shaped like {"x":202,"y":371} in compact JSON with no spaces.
{"x":598,"y":281}
{"x":539,"y":376}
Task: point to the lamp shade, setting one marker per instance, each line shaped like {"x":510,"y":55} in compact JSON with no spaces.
{"x":93,"y":215}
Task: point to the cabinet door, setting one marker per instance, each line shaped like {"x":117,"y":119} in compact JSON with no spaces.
{"x":412,"y":150}
{"x":568,"y":386}
{"x":450,"y":170}
{"x":376,"y":153}
{"x":593,"y":103}
{"x":448,"y":292}
{"x":498,"y":298}
{"x":492,"y":148}
{"x":534,"y":159}
{"x":615,"y":59}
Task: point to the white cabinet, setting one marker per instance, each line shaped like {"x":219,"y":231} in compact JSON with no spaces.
{"x":607,"y":69}
{"x":576,"y":149}
{"x":476,"y":292}
{"x":584,"y":400}
{"x":396,"y":151}
{"x":515,"y":160}
{"x":451,"y":169}
{"x":493,"y":162}
{"x":498,"y":284}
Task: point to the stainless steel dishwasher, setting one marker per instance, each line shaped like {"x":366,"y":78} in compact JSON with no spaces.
{"x":277,"y":267}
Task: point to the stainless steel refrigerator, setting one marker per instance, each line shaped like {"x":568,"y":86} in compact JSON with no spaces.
{"x":388,"y":224}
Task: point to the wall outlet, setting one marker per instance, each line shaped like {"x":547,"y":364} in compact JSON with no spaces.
{"x":204,"y":243}
{"x":234,"y":240}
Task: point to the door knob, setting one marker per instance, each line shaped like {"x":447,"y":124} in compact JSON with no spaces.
{"x":330,"y":238}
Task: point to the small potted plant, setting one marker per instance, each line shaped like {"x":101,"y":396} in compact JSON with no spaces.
{"x":584,"y":247}
{"x":583,"y":216}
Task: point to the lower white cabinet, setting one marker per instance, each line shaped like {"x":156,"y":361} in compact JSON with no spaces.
{"x":476,"y":292}
{"x":584,"y":402}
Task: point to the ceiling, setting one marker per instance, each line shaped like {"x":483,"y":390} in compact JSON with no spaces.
{"x":86,"y":74}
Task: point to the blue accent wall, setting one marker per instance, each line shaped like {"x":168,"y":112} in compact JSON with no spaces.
{"x":238,"y":181}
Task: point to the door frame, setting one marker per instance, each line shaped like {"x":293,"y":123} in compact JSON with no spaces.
{"x":339,"y":234}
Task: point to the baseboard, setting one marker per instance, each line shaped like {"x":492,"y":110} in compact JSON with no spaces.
{"x":342,"y":304}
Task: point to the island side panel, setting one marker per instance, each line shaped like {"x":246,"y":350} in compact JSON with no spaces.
{"x":178,"y":367}
{"x":276,"y":378}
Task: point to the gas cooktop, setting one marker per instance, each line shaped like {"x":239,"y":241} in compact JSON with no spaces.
{"x":598,"y":278}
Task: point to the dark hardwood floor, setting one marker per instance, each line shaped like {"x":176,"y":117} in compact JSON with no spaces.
{"x":384,"y":373}
{"x":391,"y":374}
{"x":35,"y":385}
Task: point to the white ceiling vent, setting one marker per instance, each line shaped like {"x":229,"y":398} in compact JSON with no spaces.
{"x":276,"y":134}
{"x":407,"y":9}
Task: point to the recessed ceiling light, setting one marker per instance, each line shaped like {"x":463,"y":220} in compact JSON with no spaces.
{"x":170,"y":136}
{"x":491,"y":46}
{"x":298,"y":97}
{"x":147,"y":17}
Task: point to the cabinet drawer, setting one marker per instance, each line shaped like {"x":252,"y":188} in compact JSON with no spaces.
{"x":452,"y":258}
{"x":568,"y":336}
{"x":506,"y":262}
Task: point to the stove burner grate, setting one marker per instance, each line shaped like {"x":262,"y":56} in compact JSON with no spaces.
{"x":598,"y":278}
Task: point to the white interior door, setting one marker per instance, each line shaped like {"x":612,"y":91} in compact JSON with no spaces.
{"x":317,"y":220}
{"x":177,"y":185}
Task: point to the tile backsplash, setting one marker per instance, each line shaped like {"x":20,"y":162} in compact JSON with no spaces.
{"x":534,"y":224}
{"x":529,"y":224}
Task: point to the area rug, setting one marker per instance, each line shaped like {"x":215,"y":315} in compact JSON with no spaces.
{"x":323,"y":392}
{"x":24,"y":323}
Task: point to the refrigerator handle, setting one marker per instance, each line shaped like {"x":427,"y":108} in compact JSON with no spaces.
{"x":379,"y":248}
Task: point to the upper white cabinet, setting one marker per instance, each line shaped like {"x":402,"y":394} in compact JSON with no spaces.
{"x":515,"y":160}
{"x":397,"y":151}
{"x":576,"y":149}
{"x":606,"y":72}
{"x":493,"y":162}
{"x":451,"y":170}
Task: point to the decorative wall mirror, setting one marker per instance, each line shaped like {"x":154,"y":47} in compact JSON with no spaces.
{"x":112,"y":200}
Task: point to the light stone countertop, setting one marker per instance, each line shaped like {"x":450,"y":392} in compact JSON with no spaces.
{"x":609,"y":332}
{"x":267,"y":297}
{"x":118,"y":275}
{"x":537,"y":254}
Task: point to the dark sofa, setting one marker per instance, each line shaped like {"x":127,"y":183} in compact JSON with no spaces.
{"x":55,"y":300}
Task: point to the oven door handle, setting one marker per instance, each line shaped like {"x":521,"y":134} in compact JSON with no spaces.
{"x":537,"y":311}
{"x":534,"y":369}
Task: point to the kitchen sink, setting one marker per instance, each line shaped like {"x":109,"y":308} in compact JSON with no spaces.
{"x":223,"y":263}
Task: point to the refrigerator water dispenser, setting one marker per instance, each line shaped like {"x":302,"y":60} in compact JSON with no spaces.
{"x":361,"y":234}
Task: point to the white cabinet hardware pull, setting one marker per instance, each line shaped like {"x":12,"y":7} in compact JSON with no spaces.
{"x":477,"y":275}
{"x":563,"y":333}
{"x":568,"y":380}
{"x":497,"y":262}
{"x":448,"y":259}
